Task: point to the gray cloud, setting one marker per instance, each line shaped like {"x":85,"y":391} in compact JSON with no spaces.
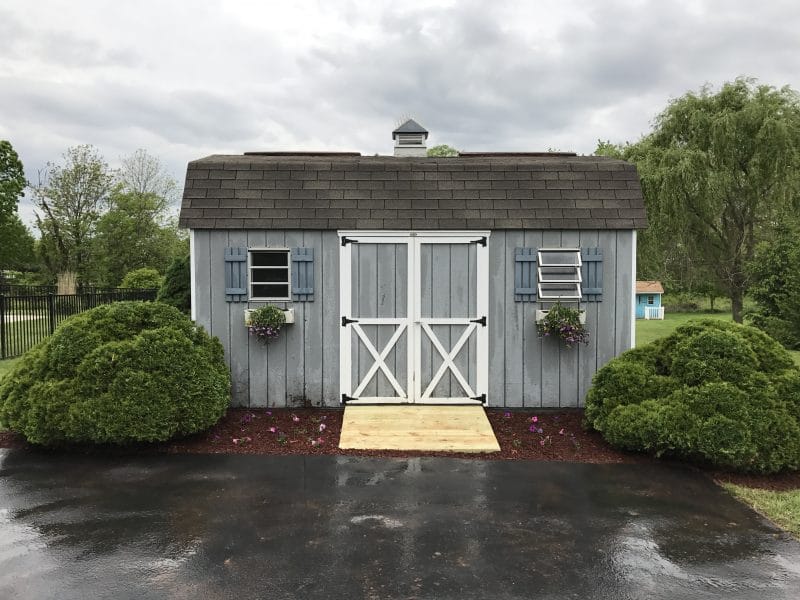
{"x":220,"y":77}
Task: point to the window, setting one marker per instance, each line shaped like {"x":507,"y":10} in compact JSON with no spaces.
{"x":269,"y":275}
{"x":559,"y":271}
{"x":651,"y":300}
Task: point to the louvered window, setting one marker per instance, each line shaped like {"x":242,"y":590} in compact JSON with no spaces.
{"x":559,"y":273}
{"x":411,"y":139}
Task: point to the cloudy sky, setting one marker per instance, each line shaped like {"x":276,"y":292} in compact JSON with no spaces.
{"x":188,"y":79}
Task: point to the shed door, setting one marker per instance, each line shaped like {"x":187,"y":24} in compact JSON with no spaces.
{"x":414,"y":323}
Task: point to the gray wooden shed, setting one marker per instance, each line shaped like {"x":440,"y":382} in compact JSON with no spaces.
{"x":413,"y":279}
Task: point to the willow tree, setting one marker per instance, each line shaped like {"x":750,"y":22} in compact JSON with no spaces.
{"x":720,"y":169}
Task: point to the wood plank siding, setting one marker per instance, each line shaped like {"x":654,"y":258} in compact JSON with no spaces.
{"x":302,"y":364}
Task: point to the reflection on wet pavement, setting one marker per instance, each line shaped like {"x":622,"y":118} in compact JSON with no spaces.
{"x":346,"y":527}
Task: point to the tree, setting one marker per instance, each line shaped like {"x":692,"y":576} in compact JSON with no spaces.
{"x":144,"y":174}
{"x":142,"y":279}
{"x":139,"y":224}
{"x":12,"y":181}
{"x":16,"y":249}
{"x":718,"y":171}
{"x":71,"y":197}
{"x":176,"y":289}
{"x":775,"y":286}
{"x":442,"y":150}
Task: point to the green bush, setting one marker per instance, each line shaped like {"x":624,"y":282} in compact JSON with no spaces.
{"x":144,"y":278}
{"x":175,"y":290}
{"x":714,"y":392}
{"x":775,"y":286}
{"x":123,"y":372}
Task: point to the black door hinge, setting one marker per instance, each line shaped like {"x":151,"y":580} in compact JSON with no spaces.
{"x":480,"y":240}
{"x":482,"y":398}
{"x":482,"y":321}
{"x":346,"y":321}
{"x":346,"y":398}
{"x":347,"y":240}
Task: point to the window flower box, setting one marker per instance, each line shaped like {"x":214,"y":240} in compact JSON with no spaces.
{"x":287,"y":312}
{"x":541,"y":314}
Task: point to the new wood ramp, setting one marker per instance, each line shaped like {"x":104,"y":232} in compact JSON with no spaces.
{"x":426,"y":428}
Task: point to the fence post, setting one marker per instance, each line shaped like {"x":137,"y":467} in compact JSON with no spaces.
{"x":51,"y":311}
{"x":2,"y":326}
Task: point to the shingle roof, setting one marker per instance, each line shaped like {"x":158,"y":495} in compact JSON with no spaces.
{"x":410,"y":126}
{"x":386,"y":192}
{"x":649,"y":287}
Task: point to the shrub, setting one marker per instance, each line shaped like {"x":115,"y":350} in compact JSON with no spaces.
{"x":123,"y":372}
{"x":776,"y":287}
{"x":142,"y":279}
{"x":175,"y":290}
{"x":712,"y":391}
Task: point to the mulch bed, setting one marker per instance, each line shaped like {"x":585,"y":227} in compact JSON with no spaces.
{"x":544,"y":435}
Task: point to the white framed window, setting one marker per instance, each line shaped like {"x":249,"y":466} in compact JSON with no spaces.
{"x":559,"y":273}
{"x":651,"y":299}
{"x":270,"y":275}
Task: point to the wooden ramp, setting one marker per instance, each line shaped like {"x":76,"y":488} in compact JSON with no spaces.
{"x":427,"y":428}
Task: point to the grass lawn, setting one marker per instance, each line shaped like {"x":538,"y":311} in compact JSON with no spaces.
{"x":7,"y":365}
{"x":647,"y":331}
{"x":783,"y":508}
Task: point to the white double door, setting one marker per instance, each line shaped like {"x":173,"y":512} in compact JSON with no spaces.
{"x":414,"y":317}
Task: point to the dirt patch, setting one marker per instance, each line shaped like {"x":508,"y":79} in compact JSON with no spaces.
{"x":523,"y":435}
{"x":543,"y":435}
{"x":780,"y":482}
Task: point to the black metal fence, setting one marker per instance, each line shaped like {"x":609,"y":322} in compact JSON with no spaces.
{"x":26,"y":319}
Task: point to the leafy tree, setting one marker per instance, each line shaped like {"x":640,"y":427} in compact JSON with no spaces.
{"x":144,"y":174}
{"x":139,"y":224}
{"x":176,"y":289}
{"x":142,"y":279}
{"x":718,"y":172}
{"x":12,"y":181}
{"x":71,"y":197}
{"x":442,"y":150}
{"x":16,"y":249}
{"x":775,"y":287}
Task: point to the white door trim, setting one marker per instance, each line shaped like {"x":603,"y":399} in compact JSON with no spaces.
{"x":413,"y":324}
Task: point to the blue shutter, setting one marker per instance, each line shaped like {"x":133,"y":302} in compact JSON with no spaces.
{"x":592,"y":274}
{"x":525,"y":274}
{"x":302,"y":274}
{"x":236,"y":274}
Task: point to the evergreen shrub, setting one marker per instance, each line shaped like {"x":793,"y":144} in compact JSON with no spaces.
{"x":713,"y":392}
{"x":119,"y":373}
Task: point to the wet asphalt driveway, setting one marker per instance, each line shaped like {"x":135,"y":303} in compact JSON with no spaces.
{"x":349,"y":528}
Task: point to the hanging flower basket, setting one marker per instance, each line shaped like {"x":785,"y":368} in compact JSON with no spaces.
{"x":265,"y":323}
{"x":563,"y":323}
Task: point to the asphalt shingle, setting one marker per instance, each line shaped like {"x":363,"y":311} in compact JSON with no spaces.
{"x":386,"y":192}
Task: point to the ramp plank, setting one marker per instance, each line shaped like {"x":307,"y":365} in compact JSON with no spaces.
{"x":421,"y":428}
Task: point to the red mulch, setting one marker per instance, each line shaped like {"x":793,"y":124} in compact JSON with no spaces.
{"x":553,"y":436}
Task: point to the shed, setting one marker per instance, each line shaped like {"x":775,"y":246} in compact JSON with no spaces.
{"x":412,"y":279}
{"x":648,"y":300}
